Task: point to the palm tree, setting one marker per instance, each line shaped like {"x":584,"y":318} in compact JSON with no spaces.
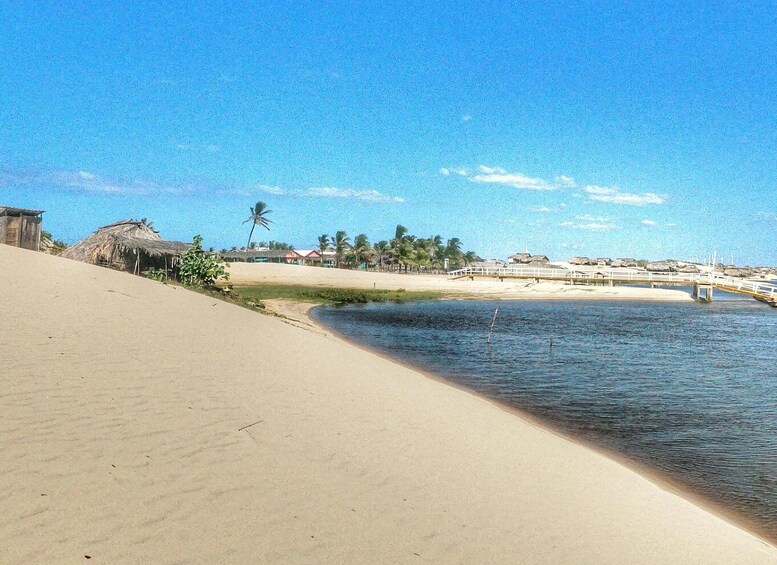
{"x":405,"y":252}
{"x":471,"y":257}
{"x":323,"y":245}
{"x":453,"y":251}
{"x":381,"y":248}
{"x":341,"y":243}
{"x":400,"y":235}
{"x":361,"y":249}
{"x":258,"y":217}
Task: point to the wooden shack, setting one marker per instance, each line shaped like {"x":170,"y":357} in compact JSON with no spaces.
{"x":20,"y":227}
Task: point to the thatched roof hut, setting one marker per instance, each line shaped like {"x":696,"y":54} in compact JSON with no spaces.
{"x":129,"y":245}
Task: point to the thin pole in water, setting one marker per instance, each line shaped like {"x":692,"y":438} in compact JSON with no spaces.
{"x":493,"y":321}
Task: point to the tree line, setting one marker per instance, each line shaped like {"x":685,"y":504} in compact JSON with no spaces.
{"x":403,"y":252}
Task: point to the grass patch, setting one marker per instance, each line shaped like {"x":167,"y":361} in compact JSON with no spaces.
{"x":329,"y":295}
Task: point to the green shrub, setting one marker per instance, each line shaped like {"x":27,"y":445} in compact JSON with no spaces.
{"x":156,"y":274}
{"x":200,"y":269}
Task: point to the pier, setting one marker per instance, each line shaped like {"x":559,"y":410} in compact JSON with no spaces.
{"x":702,"y":284}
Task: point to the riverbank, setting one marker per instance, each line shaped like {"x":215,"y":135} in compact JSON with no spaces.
{"x":247,"y":274}
{"x":145,"y":423}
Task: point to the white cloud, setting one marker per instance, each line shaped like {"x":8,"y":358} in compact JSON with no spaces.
{"x":547,"y":209}
{"x":447,"y":171}
{"x":614,"y":195}
{"x":491,"y":170}
{"x":767,"y":215}
{"x":331,"y":192}
{"x":592,"y":218}
{"x":466,"y":118}
{"x":588,"y":222}
{"x":498,"y":175}
{"x":271,"y":189}
{"x":364,"y":195}
{"x":86,"y":181}
{"x":649,"y":223}
{"x":565,"y":181}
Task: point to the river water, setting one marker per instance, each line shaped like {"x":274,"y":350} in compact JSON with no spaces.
{"x":687,"y":389}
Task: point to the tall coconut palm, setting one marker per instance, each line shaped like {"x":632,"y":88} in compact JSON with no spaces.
{"x":258,"y":217}
{"x":405,"y":252}
{"x":400,"y":238}
{"x":471,"y":257}
{"x":360,"y":249}
{"x":381,"y":249}
{"x":453,"y":251}
{"x":341,"y":242}
{"x":323,"y":245}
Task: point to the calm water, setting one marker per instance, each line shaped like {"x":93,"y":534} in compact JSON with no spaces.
{"x":688,"y":389}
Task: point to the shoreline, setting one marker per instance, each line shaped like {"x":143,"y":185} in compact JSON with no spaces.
{"x":302,"y":313}
{"x":138,"y":416}
{"x":249,"y":274}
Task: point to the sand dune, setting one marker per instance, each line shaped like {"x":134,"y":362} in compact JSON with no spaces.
{"x":142,"y":423}
{"x":273,"y":273}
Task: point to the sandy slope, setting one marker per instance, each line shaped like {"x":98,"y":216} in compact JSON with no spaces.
{"x":257,"y":273}
{"x":141,"y":423}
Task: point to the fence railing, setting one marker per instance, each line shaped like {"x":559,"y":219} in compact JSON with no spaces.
{"x":764,"y":289}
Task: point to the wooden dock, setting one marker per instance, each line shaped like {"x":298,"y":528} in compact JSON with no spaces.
{"x":703,"y":284}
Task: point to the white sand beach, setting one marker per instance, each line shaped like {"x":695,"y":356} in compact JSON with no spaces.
{"x":144,"y":423}
{"x":274,"y":273}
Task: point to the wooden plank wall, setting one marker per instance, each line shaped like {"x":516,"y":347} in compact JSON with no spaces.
{"x":11,"y":230}
{"x":29,"y":233}
{"x":20,"y":231}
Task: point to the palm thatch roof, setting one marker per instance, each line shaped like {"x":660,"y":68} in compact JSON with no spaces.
{"x":122,"y":244}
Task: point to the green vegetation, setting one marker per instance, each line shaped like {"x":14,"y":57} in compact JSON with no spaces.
{"x":403,"y":252}
{"x":199,"y":269}
{"x":253,"y":294}
{"x":258,"y":217}
{"x":159,"y":275}
{"x":50,"y":245}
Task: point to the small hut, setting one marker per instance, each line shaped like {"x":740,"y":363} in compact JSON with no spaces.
{"x":129,"y":245}
{"x":20,"y":227}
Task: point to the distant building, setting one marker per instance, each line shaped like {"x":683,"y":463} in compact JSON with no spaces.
{"x":519,"y":258}
{"x":582,"y":261}
{"x":527,"y":259}
{"x":20,"y":227}
{"x":261,"y":256}
{"x":491,"y":264}
{"x":309,"y":256}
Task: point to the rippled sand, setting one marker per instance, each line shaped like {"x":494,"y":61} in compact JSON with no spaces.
{"x":142,"y":423}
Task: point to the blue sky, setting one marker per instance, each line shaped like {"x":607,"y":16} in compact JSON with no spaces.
{"x":598,"y":129}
